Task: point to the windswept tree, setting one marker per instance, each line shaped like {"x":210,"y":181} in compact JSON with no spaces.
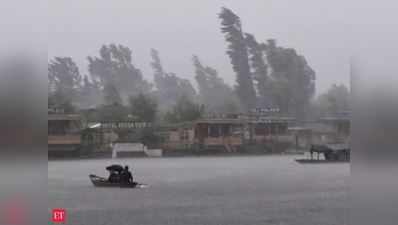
{"x":90,"y":94}
{"x":64,"y":81}
{"x":335,"y":100}
{"x":259,"y":69}
{"x":156,"y":64}
{"x":111,"y":94}
{"x":214,"y":93}
{"x":293,"y":79}
{"x":237,"y":51}
{"x":114,"y":69}
{"x":143,"y":107}
{"x":169,"y":86}
{"x":184,"y":110}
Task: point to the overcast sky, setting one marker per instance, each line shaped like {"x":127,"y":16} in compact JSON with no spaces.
{"x":323,"y":31}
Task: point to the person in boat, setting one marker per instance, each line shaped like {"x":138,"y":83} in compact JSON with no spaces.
{"x":114,"y":177}
{"x":114,"y":173}
{"x":126,"y":176}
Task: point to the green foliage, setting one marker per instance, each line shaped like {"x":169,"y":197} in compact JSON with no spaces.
{"x":237,"y":52}
{"x":282,"y":78}
{"x":293,"y":80}
{"x":60,"y":102}
{"x":216,"y":95}
{"x":143,"y":107}
{"x":184,"y":110}
{"x":334,"y":101}
{"x":64,"y":82}
{"x":113,"y":112}
{"x":259,"y":70}
{"x":111,"y":94}
{"x":169,"y":86}
{"x":115,"y":71}
{"x":90,"y":93}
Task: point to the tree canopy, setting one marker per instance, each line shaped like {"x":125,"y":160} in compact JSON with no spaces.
{"x":237,"y":51}
{"x":184,"y":111}
{"x":214,"y":93}
{"x":115,"y":71}
{"x":170,"y":87}
{"x":335,"y":100}
{"x":143,"y":108}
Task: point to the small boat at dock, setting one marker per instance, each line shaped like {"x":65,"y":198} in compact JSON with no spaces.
{"x":332,"y":153}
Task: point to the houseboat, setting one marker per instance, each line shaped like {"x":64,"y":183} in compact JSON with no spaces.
{"x":64,"y":133}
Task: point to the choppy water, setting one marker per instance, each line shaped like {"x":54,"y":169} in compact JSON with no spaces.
{"x":205,"y":191}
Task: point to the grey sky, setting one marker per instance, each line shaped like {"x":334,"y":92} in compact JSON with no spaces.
{"x":323,"y":31}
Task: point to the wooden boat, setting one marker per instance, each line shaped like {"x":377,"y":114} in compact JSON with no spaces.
{"x":103,"y":182}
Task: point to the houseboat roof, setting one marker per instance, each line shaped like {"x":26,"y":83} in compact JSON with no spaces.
{"x":315,"y":127}
{"x":340,"y":116}
{"x":271,"y":119}
{"x":64,"y":117}
{"x":335,"y":118}
{"x":268,"y":119}
{"x":220,"y":121}
{"x":176,"y":125}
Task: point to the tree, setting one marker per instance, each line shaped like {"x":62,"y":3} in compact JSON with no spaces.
{"x":64,"y":80}
{"x":184,"y":110}
{"x":259,"y":70}
{"x":90,"y":93}
{"x":143,"y":107}
{"x":216,"y":95}
{"x":111,"y":94}
{"x":334,"y":101}
{"x":237,"y":52}
{"x":57,"y":100}
{"x":157,"y":67}
{"x":114,"y":68}
{"x":112,"y":112}
{"x":293,"y":80}
{"x":169,"y":86}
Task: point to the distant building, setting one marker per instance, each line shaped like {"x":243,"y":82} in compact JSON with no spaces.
{"x":219,"y":133}
{"x":177,"y":136}
{"x":340,"y":125}
{"x":327,"y":130}
{"x":266,"y":129}
{"x":64,"y":132}
{"x":227,"y":132}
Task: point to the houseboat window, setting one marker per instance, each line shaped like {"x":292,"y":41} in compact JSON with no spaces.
{"x":225,"y":130}
{"x":58,"y":127}
{"x":260,"y":129}
{"x":184,"y":134}
{"x":214,"y":131}
{"x":236,"y":130}
{"x":282,"y":129}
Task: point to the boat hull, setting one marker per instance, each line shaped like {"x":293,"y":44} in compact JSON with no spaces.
{"x":315,"y":161}
{"x":103,"y":182}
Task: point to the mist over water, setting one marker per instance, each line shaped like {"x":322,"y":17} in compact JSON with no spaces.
{"x":204,"y":190}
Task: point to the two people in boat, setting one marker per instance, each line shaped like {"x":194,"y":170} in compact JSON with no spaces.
{"x":120,"y":175}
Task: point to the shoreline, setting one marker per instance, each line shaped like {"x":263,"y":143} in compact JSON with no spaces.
{"x":177,"y":155}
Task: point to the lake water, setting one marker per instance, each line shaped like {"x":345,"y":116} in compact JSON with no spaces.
{"x":249,"y":190}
